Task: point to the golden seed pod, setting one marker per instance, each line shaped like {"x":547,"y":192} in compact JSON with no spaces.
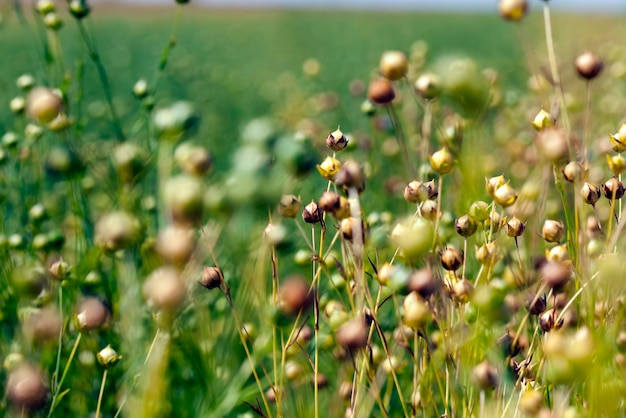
{"x":558,"y":253}
{"x":108,"y":357}
{"x":91,"y":314}
{"x":462,"y":290}
{"x":588,"y":65}
{"x":164,"y":289}
{"x":289,"y":206}
{"x":536,"y":304}
{"x":573,"y":171}
{"x":427,"y":86}
{"x":590,"y":193}
{"x":329,"y":167}
{"x":349,"y":226}
{"x":513,"y":10}
{"x":336,"y":140}
{"x":211,"y":277}
{"x":394,"y":65}
{"x":613,"y":188}
{"x":428,"y":210}
{"x":330,"y":202}
{"x":295,"y":295}
{"x":117,"y":230}
{"x":494,"y":183}
{"x":442,"y":161}
{"x":353,"y":334}
{"x":416,"y":312}
{"x":26,"y":388}
{"x":552,"y":144}
{"x":514,"y":227}
{"x":485,"y":375}
{"x":176,"y":244}
{"x":531,"y":402}
{"x":423,"y":282}
{"x":465,"y":226}
{"x":617,"y":164}
{"x":542,"y":120}
{"x":380,"y":91}
{"x":43,"y":104}
{"x":618,"y":140}
{"x":312,"y":213}
{"x":451,"y":258}
{"x":556,"y":274}
{"x":487,"y":254}
{"x":415,"y":192}
{"x":552,"y":231}
{"x":505,"y":195}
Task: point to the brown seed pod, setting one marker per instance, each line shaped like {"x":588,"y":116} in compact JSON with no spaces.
{"x":289,"y":206}
{"x":552,"y":231}
{"x":211,"y":277}
{"x":465,"y":226}
{"x":350,"y":175}
{"x":590,"y":193}
{"x":394,"y":65}
{"x":117,"y":230}
{"x":176,"y":244}
{"x":295,"y":295}
{"x":330,"y":202}
{"x":91,"y":314}
{"x":573,"y":171}
{"x":336,"y":140}
{"x":43,"y":104}
{"x":588,"y":65}
{"x":312,"y":214}
{"x":485,"y":375}
{"x":613,"y":188}
{"x":43,"y":326}
{"x":424,"y":282}
{"x":548,"y":320}
{"x":433,"y":191}
{"x":552,"y":144}
{"x":351,"y":225}
{"x":164,"y":289}
{"x":352,"y":335}
{"x":535,"y":304}
{"x":415,"y":192}
{"x":556,"y":275}
{"x":381,"y":91}
{"x":462,"y":290}
{"x":514,"y":227}
{"x":26,"y":388}
{"x":451,"y":258}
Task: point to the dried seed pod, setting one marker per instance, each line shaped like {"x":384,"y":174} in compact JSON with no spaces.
{"x":531,"y":402}
{"x":289,"y":206}
{"x":547,"y":320}
{"x":274,"y":234}
{"x":424,"y":282}
{"x":350,"y":175}
{"x":512,"y":10}
{"x":60,"y":269}
{"x":295,"y":295}
{"x":485,"y":375}
{"x":590,"y":193}
{"x":462,"y":290}
{"x":428,"y":210}
{"x":535,"y":304}
{"x":616,"y":163}
{"x":193,"y":159}
{"x":43,"y":104}
{"x":211,"y":277}
{"x":176,"y":244}
{"x":442,"y":161}
{"x":416,"y":311}
{"x":394,"y":65}
{"x":505,"y":195}
{"x":451,"y":258}
{"x":349,"y":226}
{"x":573,"y":171}
{"x":433,"y":191}
{"x":329,"y":202}
{"x":588,"y":65}
{"x":336,"y":140}
{"x":164,"y":289}
{"x":26,"y":388}
{"x":312,"y":214}
{"x":494,"y":183}
{"x":353,"y":334}
{"x":415,"y":192}
{"x":43,"y":326}
{"x":129,"y":160}
{"x":556,"y":275}
{"x":514,"y":227}
{"x":108,"y":357}
{"x":465,"y":226}
{"x":183,"y":196}
{"x":552,"y":144}
{"x":381,"y":91}
{"x":91,"y":314}
{"x":613,"y":188}
{"x":552,"y":231}
{"x":487,"y":254}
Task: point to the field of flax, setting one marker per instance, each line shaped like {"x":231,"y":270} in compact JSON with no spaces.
{"x":313,"y":214}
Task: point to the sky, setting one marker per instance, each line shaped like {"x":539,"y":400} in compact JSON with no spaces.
{"x":600,"y":6}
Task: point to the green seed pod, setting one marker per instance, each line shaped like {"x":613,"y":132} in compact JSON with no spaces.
{"x":108,"y":357}
{"x":45,"y":6}
{"x":52,"y":21}
{"x":17,"y":105}
{"x":289,"y":206}
{"x":414,"y":239}
{"x":479,"y":211}
{"x":442,"y":161}
{"x":79,"y":9}
{"x":25,"y":82}
{"x":368,"y":108}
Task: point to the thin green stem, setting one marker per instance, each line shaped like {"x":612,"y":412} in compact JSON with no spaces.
{"x":171,"y":43}
{"x":104,"y":379}
{"x":57,"y":390}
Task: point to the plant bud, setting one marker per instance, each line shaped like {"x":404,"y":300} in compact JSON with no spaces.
{"x":552,"y":144}
{"x":91,"y":314}
{"x":381,"y":91}
{"x":140,"y":89}
{"x":329,"y":167}
{"x":45,"y":6}
{"x":552,"y":230}
{"x":428,"y":86}
{"x":349,"y":226}
{"x":394,"y":65}
{"x":289,"y":206}
{"x":312,"y":214}
{"x":52,"y":21}
{"x":573,"y":171}
{"x":211,"y":277}
{"x":485,"y":376}
{"x":487,"y":254}
{"x":193,"y":159}
{"x":423,"y":282}
{"x":43,"y":105}
{"x":336,"y":141}
{"x":555,"y":274}
{"x":616,"y":163}
{"x":505,"y":195}
{"x":79,"y":9}
{"x":164,"y":289}
{"x":17,"y":105}
{"x":513,"y":10}
{"x":415,"y":192}
{"x":462,"y":290}
{"x":613,"y":189}
{"x":350,"y":175}
{"x":183,"y":196}
{"x":514,"y":227}
{"x":542,"y":120}
{"x":176,"y":244}
{"x":295,"y":295}
{"x":451,"y":258}
{"x":117,"y":230}
{"x":479,"y":211}
{"x":590,"y":193}
{"x":108,"y":357}
{"x":416,"y":311}
{"x":353,"y":334}
{"x":588,"y":65}
{"x":26,"y":388}
{"x":465,"y":226}
{"x":442,"y":161}
{"x":535,"y":304}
